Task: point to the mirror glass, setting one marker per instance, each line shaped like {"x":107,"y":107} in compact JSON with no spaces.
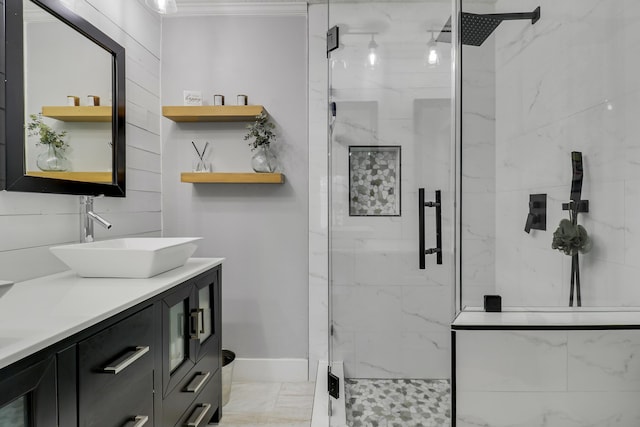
{"x":68,"y":100}
{"x":65,"y":115}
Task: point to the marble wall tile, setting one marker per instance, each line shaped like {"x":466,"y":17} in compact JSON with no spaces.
{"x":368,"y":308}
{"x":562,"y":84}
{"x":378,"y":355}
{"x":424,"y":309}
{"x":478,"y":154}
{"x":605,"y":220}
{"x":473,"y":295}
{"x":479,"y":221}
{"x":392,"y":263}
{"x":522,"y":164}
{"x":344,"y":348}
{"x":632,"y":221}
{"x":557,"y":409}
{"x":629,"y":275}
{"x":434,"y":350}
{"x":555,"y":378}
{"x":546,"y":99}
{"x":604,"y":361}
{"x":527,"y":276}
{"x":389,"y":355}
{"x":629,"y":129}
{"x":511,"y":361}
{"x":343,"y":263}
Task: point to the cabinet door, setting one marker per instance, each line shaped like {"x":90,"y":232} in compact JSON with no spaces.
{"x":208,"y":316}
{"x":178,"y":356}
{"x":28,"y":398}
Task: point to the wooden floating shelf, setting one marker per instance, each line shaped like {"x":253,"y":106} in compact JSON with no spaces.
{"x":79,"y":114}
{"x":102,"y":177}
{"x":212,"y":113}
{"x":232,"y":178}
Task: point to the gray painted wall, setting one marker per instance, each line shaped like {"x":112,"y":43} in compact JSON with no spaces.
{"x":262,"y":230}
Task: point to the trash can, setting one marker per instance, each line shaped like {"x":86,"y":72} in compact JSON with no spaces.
{"x":228,"y":357}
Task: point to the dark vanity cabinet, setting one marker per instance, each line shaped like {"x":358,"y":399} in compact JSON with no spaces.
{"x":155,"y":364}
{"x":191,"y":353}
{"x":28,"y":397}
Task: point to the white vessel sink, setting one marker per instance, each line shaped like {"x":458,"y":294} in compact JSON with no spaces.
{"x":136,"y":258}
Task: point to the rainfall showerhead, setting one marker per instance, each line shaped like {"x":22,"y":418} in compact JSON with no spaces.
{"x":476,"y":28}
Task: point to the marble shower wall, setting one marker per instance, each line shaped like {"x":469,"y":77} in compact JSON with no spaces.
{"x":478,"y":176}
{"x":390,"y":318}
{"x":567,"y":83}
{"x":551,"y":378}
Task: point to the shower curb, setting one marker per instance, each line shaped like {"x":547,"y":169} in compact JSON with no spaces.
{"x":320,"y":415}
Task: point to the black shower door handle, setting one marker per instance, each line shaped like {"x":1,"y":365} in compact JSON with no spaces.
{"x":423,"y":251}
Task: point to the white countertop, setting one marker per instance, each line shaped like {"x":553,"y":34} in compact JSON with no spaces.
{"x":37,"y":313}
{"x":548,"y":317}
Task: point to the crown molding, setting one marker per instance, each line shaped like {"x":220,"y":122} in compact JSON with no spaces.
{"x":208,"y":8}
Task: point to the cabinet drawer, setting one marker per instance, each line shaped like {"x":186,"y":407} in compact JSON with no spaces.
{"x":113,"y":360}
{"x":206,"y":407}
{"x":129,"y":406}
{"x":202,"y":377}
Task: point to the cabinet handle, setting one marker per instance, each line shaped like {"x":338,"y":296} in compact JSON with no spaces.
{"x":202,"y":377}
{"x":122,"y":364}
{"x":194,"y":319}
{"x":138,"y":421}
{"x":196,"y":419}
{"x":201,"y":320}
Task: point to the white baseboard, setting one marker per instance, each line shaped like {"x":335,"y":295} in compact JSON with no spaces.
{"x":271,"y":370}
{"x":320,"y":416}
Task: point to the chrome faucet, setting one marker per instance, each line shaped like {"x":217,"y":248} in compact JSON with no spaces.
{"x":87,"y":217}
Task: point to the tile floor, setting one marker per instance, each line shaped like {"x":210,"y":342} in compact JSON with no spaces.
{"x":269,"y":405}
{"x":398,"y":403}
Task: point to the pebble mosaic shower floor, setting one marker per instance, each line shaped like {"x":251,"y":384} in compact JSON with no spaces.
{"x":398,"y":403}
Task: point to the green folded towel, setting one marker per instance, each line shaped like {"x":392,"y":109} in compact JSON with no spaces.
{"x":571,"y":239}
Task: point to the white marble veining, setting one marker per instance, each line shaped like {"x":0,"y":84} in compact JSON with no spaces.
{"x":511,"y":361}
{"x":532,"y":94}
{"x":560,"y":377}
{"x":557,"y":409}
{"x":604,"y":361}
{"x":54,"y":307}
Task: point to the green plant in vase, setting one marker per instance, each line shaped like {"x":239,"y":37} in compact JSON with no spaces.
{"x":54,"y":157}
{"x":262,"y":135}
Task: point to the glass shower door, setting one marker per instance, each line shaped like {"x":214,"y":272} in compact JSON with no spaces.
{"x":390,"y":136}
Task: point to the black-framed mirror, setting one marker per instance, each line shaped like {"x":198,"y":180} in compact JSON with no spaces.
{"x":64,"y":102}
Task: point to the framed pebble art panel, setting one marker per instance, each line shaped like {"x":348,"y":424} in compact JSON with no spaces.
{"x":374,"y":180}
